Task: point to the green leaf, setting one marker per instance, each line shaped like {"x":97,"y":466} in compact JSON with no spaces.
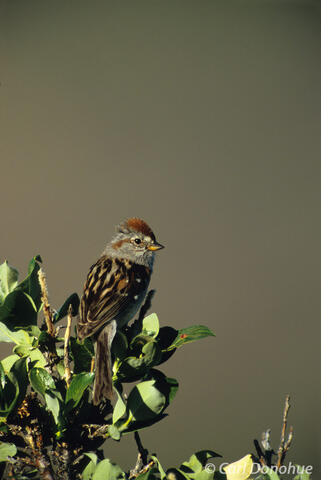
{"x":160,"y":468}
{"x":114,"y":432}
{"x":197,"y":461}
{"x":44,"y":338}
{"x":146,"y":354}
{"x":7,"y":450}
{"x":151,"y":353}
{"x":35,"y":355}
{"x":90,"y":467}
{"x":130,"y":425}
{"x":19,"y":371}
{"x":20,"y":305}
{"x":8,"y":280}
{"x":72,"y":300}
{"x":18,"y":310}
{"x":61,"y":368}
{"x":167,"y":385}
{"x":205,"y":475}
{"x":165,"y":338}
{"x":41,"y":381}
{"x":173,"y":387}
{"x":93,"y":457}
{"x":34,"y":331}
{"x":82,"y":354}
{"x":9,"y":393}
{"x":302,"y":474}
{"x":268,"y":474}
{"x":78,"y":385}
{"x":8,"y":362}
{"x":145,"y":400}
{"x":18,"y":337}
{"x":119,"y":409}
{"x":119,"y":346}
{"x":106,"y":470}
{"x":149,"y":398}
{"x":151,"y":325}
{"x":177,"y":474}
{"x":53,"y":405}
{"x":151,"y":474}
{"x":190,"y":334}
{"x":30,"y":284}
{"x":2,"y":376}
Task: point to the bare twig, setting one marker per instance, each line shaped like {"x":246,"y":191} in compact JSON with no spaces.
{"x":268,"y":450}
{"x":288,"y":443}
{"x":66,"y":347}
{"x":96,"y":430}
{"x":266,"y":440}
{"x":281,"y":450}
{"x":46,"y":306}
{"x":143,"y":451}
{"x":142,"y":465}
{"x":259,"y":452}
{"x":265,"y":450}
{"x":139,"y":464}
{"x":63,"y":471}
{"x":92,"y":365}
{"x":33,"y":438}
{"x":50,"y":352}
{"x":143,"y":470}
{"x":289,"y":440}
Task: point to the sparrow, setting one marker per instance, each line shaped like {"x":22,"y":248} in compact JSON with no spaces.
{"x":114,"y":290}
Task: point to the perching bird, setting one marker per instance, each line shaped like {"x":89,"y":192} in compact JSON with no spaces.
{"x":113,"y":292}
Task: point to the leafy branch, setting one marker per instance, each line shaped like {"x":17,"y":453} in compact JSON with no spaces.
{"x":48,"y":425}
{"x":49,"y":428}
{"x":264,"y":450}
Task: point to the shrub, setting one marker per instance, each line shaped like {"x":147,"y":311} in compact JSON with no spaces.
{"x":49,"y":428}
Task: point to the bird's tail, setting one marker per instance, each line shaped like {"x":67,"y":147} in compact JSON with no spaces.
{"x":103,"y":386}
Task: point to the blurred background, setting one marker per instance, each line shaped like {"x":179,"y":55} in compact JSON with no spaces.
{"x":202,"y":118}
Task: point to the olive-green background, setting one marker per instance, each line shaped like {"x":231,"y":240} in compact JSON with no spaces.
{"x":202,"y":118}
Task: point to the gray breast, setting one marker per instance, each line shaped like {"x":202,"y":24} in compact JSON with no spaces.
{"x":130,"y":311}
{"x":139,"y":284}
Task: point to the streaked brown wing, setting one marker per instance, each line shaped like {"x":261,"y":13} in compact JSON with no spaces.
{"x":108,"y":290}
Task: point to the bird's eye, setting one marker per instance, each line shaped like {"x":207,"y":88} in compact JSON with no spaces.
{"x":138,"y":241}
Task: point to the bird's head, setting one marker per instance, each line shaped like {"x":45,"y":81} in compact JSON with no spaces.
{"x":135,"y":241}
